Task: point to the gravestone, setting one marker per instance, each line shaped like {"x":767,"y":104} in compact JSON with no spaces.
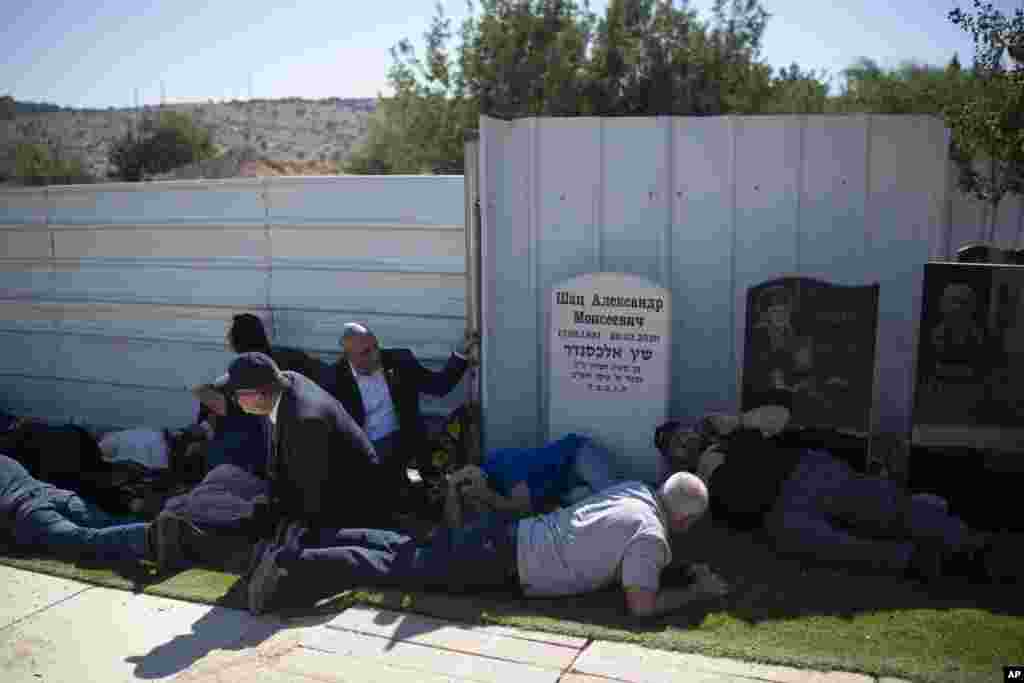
{"x":608,"y":360}
{"x":970,"y":358}
{"x":810,"y":346}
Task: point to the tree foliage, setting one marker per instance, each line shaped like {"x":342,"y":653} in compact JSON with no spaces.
{"x":988,"y":125}
{"x":910,"y":88}
{"x":516,"y":58}
{"x":555,"y":58}
{"x":167,"y":142}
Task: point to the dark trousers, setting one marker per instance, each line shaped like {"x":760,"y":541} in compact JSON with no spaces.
{"x":828,"y":512}
{"x":482,"y":555}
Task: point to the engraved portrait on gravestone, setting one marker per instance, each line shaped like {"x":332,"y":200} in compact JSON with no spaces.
{"x":968,"y":386}
{"x":809,"y":346}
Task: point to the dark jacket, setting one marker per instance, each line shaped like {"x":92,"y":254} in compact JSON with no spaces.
{"x":321,"y":464}
{"x":744,"y":488}
{"x":406,"y":379}
{"x":286,"y":358}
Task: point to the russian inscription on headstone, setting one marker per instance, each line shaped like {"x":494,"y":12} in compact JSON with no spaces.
{"x":609,"y":365}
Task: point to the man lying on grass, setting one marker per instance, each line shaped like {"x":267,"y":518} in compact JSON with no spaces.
{"x":813,"y":504}
{"x":618,"y":535}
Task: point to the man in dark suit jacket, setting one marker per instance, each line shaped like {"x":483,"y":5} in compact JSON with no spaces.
{"x":320,"y":459}
{"x":321,"y":467}
{"x":381,"y":390}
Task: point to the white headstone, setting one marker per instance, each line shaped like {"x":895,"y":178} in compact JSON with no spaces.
{"x":609,"y":366}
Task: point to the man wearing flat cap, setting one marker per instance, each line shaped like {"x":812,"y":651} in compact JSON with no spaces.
{"x":319,"y":457}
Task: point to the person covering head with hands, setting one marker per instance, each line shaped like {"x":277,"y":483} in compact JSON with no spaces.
{"x":321,"y":466}
{"x":620,"y":535}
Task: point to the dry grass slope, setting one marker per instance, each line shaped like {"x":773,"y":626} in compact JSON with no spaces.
{"x":307,"y":136}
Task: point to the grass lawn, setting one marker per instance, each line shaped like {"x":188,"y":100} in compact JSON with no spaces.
{"x":779,"y":612}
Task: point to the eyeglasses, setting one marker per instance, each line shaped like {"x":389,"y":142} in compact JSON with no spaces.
{"x":241,"y":394}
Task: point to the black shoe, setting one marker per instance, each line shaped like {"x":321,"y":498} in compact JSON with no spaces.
{"x":265,"y":576}
{"x":168,"y":542}
{"x":927,"y":563}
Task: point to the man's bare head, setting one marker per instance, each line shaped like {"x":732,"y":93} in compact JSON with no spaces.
{"x":361,"y":348}
{"x":685,"y":498}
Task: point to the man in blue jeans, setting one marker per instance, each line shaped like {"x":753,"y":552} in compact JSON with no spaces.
{"x":620,"y":535}
{"x":39,"y":515}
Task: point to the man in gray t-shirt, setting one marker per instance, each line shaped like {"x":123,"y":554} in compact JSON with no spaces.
{"x":618,"y":535}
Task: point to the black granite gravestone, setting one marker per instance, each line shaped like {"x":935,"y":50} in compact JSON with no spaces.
{"x":968,"y":413}
{"x":810,"y":345}
{"x":970,"y":358}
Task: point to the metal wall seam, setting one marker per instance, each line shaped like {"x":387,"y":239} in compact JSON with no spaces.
{"x":737,"y":370}
{"x":598,"y":229}
{"x":801,"y":187}
{"x":868,"y":228}
{"x":948,"y":188}
{"x":668,"y":188}
{"x":265,"y":192}
{"x":533,"y":206}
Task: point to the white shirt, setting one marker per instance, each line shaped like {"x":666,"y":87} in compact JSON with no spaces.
{"x":381,"y":418}
{"x":273,"y":411}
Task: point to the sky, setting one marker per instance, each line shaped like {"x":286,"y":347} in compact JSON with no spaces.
{"x":96,"y":53}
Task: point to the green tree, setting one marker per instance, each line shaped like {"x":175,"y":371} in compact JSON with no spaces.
{"x":791,"y":91}
{"x":910,"y":88}
{"x":988,"y":125}
{"x":553,"y":58}
{"x":419,"y":129}
{"x":167,"y":142}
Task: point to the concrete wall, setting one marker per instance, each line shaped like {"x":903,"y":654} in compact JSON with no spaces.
{"x":114,"y":298}
{"x":706,"y":207}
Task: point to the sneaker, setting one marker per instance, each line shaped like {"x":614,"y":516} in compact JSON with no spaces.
{"x":769,"y":420}
{"x":168,"y":537}
{"x":265,"y":576}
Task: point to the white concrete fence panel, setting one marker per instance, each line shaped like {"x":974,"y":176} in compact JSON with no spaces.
{"x":115,"y":297}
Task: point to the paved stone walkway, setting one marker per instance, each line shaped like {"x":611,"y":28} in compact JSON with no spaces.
{"x":56,"y":630}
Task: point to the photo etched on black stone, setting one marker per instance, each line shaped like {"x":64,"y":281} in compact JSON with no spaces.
{"x":810,"y":346}
{"x":968,"y":389}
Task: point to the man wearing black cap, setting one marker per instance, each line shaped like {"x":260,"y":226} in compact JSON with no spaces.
{"x":319,"y":458}
{"x":316,"y":447}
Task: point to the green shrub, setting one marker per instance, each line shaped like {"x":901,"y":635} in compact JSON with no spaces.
{"x":36,"y":165}
{"x":171,"y":142}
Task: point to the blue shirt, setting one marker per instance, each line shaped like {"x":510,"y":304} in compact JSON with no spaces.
{"x":546,"y":470}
